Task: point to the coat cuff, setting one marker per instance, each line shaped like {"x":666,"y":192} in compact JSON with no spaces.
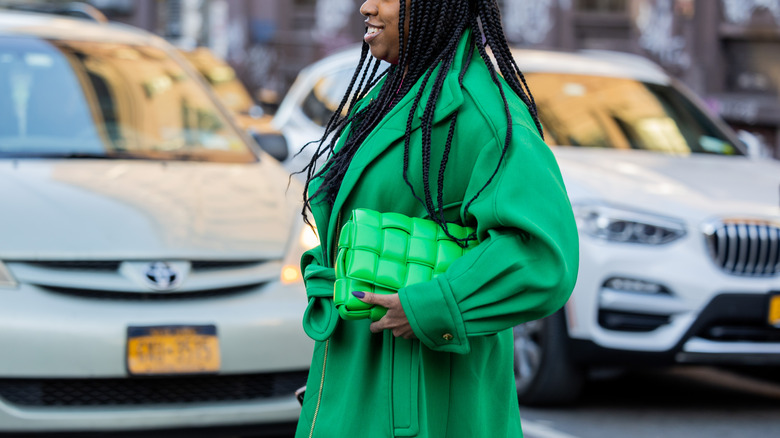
{"x":319,"y":281}
{"x":434,"y":316}
{"x":320,"y":318}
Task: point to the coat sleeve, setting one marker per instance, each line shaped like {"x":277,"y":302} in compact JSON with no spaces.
{"x":524,"y":267}
{"x":321,"y":317}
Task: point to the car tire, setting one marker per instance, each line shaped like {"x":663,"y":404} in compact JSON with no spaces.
{"x":544,"y":373}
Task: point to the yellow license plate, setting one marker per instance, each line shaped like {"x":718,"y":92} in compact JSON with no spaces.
{"x":774,"y":310}
{"x":172,"y":350}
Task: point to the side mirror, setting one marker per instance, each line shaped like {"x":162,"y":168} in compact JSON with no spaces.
{"x":274,"y":144}
{"x":755,"y":147}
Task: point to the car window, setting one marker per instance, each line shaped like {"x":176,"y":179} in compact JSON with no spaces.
{"x":222,"y":78}
{"x":603,"y":112}
{"x":324,"y":98}
{"x":81,"y":98}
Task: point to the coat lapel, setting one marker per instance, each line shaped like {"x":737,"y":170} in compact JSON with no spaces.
{"x":392,"y":127}
{"x":320,"y":211}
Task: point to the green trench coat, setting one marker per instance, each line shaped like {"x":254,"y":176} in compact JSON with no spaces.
{"x":457,"y":379}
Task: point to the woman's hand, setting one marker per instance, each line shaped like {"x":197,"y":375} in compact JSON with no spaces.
{"x":395,"y":319}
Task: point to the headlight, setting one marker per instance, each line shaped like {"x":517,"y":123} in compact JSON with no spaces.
{"x":627,"y":226}
{"x":304,"y":239}
{"x":6,"y":279}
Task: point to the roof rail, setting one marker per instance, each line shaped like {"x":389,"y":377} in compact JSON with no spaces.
{"x":71,"y":9}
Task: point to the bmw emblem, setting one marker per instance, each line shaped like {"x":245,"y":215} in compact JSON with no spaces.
{"x":162,"y":276}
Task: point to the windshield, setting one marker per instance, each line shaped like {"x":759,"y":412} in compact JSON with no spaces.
{"x":615,"y":113}
{"x":325,"y":97}
{"x":222,"y":78}
{"x":102,"y":100}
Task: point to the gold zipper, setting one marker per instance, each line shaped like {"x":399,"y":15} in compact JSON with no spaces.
{"x":319,"y":395}
{"x":334,"y":252}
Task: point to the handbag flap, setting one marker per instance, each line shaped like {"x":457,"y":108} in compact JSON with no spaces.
{"x":383,"y":252}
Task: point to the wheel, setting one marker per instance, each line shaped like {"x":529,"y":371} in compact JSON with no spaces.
{"x":543,"y":372}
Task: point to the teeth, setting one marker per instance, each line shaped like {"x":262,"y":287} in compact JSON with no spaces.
{"x":372,"y":30}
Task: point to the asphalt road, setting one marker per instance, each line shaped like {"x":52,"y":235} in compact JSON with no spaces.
{"x":682,"y":402}
{"x":689,"y":402}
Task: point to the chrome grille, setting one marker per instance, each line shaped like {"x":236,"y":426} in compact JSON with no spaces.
{"x":152,"y":296}
{"x":744,"y":247}
{"x":202,"y":265}
{"x":125,"y":280}
{"x":79,"y":265}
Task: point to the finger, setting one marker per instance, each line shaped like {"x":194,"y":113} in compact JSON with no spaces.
{"x":360,"y":295}
{"x":384,"y":300}
{"x":404,"y":333}
{"x":377,"y":327}
{"x":366,"y":297}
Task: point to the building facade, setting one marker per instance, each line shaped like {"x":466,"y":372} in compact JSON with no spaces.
{"x":266,"y":41}
{"x":728,"y":51}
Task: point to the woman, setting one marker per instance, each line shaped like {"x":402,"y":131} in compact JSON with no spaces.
{"x":439,"y":135}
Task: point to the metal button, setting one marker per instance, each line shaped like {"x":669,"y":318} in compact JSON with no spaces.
{"x":448,"y":337}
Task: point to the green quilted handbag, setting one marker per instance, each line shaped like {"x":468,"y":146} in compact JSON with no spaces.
{"x":383,"y":252}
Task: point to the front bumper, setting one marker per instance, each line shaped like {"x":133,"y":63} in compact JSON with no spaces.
{"x":731,"y":330}
{"x":110,"y":419}
{"x":63,"y":366}
{"x":674,"y":284}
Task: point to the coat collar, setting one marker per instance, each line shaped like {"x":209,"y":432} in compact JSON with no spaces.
{"x":392,"y":127}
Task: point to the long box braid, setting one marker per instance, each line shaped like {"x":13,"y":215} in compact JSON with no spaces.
{"x":435,"y":30}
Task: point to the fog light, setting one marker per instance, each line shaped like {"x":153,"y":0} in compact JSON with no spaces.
{"x":634,"y":285}
{"x":631,"y":322}
{"x":305,"y":239}
{"x":290,"y":274}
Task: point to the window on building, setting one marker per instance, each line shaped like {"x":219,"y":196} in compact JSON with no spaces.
{"x":752,"y":67}
{"x":603,"y":24}
{"x":602,"y":5}
{"x":303,"y":14}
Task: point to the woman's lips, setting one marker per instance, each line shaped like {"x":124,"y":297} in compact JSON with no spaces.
{"x":371,"y":33}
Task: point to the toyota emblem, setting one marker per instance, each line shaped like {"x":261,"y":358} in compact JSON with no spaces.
{"x":162,"y":276}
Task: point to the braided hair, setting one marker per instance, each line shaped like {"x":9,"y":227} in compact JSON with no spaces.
{"x":435,"y":29}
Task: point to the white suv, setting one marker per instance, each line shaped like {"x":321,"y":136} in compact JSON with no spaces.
{"x":679,"y":229}
{"x":148,"y":249}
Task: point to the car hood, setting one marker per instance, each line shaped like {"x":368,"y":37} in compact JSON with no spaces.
{"x":694,"y":187}
{"x":98,"y":209}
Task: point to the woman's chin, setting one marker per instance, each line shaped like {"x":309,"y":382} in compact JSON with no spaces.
{"x":383,"y":57}
{"x":382,"y":54}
